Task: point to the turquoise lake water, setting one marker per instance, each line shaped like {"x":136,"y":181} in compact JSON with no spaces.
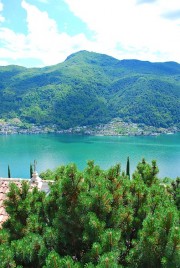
{"x":50,"y":150}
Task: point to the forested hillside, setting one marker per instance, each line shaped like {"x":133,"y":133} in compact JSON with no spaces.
{"x":90,"y":88}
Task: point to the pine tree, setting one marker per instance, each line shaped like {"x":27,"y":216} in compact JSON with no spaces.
{"x":31,"y":171}
{"x":128,"y":168}
{"x":9,"y":172}
{"x":93,"y":218}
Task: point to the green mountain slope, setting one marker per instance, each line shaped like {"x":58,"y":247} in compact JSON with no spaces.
{"x":90,"y":88}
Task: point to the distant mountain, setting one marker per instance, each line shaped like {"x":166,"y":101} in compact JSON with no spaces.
{"x":90,"y":88}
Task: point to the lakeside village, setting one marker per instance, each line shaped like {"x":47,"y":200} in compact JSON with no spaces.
{"x":116,"y":127}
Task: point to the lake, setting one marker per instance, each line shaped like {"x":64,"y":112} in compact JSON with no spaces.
{"x":52,"y":150}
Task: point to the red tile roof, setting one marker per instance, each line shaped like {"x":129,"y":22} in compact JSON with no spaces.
{"x":4,"y":189}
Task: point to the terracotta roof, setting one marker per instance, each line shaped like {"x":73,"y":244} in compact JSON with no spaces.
{"x":4,"y":189}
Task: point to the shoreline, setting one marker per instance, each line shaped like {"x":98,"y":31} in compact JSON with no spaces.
{"x":114,"y":128}
{"x":84,"y":134}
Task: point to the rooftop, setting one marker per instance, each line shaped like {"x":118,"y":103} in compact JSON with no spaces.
{"x":35,"y":181}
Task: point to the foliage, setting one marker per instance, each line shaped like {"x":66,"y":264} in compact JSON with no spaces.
{"x":93,"y":218}
{"x":90,"y":88}
{"x":176,"y":191}
{"x":9,"y":172}
{"x":128,"y":167}
{"x":31,"y":170}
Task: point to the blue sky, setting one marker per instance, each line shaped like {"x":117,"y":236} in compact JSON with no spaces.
{"x":36,"y":33}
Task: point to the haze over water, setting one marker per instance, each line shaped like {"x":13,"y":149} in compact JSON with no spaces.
{"x":51,"y":151}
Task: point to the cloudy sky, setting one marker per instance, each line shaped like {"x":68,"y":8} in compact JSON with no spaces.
{"x":37,"y":33}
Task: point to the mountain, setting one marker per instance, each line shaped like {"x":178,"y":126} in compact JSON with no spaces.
{"x":90,"y":88}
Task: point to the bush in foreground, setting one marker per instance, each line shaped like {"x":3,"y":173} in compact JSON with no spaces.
{"x":94,"y":218}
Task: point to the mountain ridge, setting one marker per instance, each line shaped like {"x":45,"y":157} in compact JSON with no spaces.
{"x":91,"y":88}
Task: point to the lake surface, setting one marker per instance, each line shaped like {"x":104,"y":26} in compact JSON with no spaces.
{"x":50,"y":150}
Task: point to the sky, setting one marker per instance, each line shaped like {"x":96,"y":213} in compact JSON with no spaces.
{"x":37,"y":33}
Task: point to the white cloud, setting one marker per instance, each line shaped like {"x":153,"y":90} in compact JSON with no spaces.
{"x":4,"y":63}
{"x":139,"y":30}
{"x":123,"y":29}
{"x":43,"y":42}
